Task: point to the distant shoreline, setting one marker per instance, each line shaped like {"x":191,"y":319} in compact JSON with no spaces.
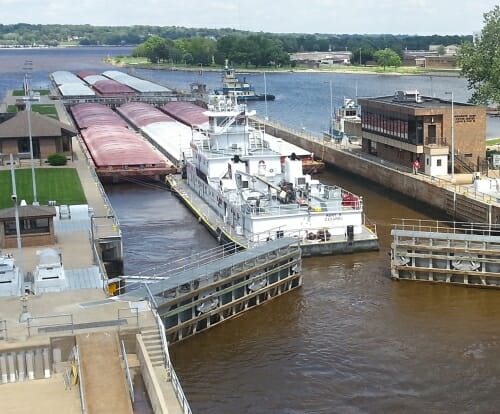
{"x":336,"y":69}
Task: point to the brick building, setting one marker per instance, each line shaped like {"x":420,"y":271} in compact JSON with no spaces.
{"x":49,"y":136}
{"x":407,"y":126}
{"x":36,"y":226}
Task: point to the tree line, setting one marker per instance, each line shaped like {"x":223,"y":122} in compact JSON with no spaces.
{"x":23,"y":34}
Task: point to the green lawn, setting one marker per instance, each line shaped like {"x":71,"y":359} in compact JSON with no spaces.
{"x":20,"y":92}
{"x":45,"y":109}
{"x":59,"y":184}
{"x":494,"y":141}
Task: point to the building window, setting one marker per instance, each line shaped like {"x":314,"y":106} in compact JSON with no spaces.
{"x":395,"y":125}
{"x":438,"y":163}
{"x":28,"y":226}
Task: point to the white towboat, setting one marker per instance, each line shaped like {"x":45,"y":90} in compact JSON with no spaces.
{"x":259,"y":198}
{"x":349,"y":111}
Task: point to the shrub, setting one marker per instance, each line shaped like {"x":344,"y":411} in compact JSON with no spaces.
{"x":56,"y":159}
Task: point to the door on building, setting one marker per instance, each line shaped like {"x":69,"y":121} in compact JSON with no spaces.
{"x":431,"y":134}
{"x":23,"y":146}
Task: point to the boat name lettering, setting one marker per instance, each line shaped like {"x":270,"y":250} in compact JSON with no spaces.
{"x":332,"y":217}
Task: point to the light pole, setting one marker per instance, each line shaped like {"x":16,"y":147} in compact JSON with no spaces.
{"x":28,"y":66}
{"x":28,"y":109}
{"x":265,"y":94}
{"x":16,"y":212}
{"x":452,"y":137}
{"x":453,"y":155}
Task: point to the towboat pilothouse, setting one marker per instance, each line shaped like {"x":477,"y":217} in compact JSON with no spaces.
{"x":258,"y":198}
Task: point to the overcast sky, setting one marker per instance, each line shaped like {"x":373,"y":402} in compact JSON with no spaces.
{"x":423,"y":17}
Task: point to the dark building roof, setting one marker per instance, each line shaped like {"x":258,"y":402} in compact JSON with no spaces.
{"x":27,"y":211}
{"x":412,"y":99}
{"x":41,"y":126}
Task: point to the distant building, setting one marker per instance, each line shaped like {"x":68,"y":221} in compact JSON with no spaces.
{"x":450,"y":50}
{"x":407,"y":126}
{"x":318,"y":59}
{"x":431,"y":58}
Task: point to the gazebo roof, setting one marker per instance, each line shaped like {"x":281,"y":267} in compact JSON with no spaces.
{"x":41,"y":126}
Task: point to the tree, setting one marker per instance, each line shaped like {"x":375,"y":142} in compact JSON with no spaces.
{"x":387,"y":57}
{"x":480,"y":62}
{"x":441,"y":50}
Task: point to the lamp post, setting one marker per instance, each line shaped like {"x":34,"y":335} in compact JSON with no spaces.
{"x":452,"y":137}
{"x":28,"y":109}
{"x":28,"y":66}
{"x":265,"y":95}
{"x":16,"y":215}
{"x":453,"y":156}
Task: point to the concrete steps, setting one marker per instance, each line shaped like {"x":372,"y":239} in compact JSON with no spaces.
{"x":152,"y":341}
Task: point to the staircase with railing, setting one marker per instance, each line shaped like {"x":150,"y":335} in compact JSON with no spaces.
{"x":462,"y":164}
{"x":152,"y":341}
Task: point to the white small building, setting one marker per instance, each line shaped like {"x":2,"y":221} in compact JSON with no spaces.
{"x":435,"y":160}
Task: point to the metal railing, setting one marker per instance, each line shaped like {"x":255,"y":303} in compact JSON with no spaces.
{"x":69,"y":322}
{"x":186,"y":409}
{"x":76,"y":354}
{"x":453,"y":227}
{"x":190,"y":262}
{"x":127,"y":372}
{"x":370,"y":225}
{"x":110,"y":212}
{"x":99,"y":262}
{"x":477,"y":195}
{"x":179,"y":392}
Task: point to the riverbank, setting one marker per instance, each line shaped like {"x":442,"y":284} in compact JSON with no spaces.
{"x":141,"y":63}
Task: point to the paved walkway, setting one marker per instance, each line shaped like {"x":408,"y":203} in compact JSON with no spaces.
{"x":103,"y":377}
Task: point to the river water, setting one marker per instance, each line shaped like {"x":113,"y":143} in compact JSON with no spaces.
{"x":350,"y":340}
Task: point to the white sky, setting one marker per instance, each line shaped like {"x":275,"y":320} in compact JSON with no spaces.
{"x":423,"y":17}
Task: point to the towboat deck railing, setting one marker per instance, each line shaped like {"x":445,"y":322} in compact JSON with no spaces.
{"x":312,"y":235}
{"x":369,"y":224}
{"x":321,"y":205}
{"x":453,"y":227}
